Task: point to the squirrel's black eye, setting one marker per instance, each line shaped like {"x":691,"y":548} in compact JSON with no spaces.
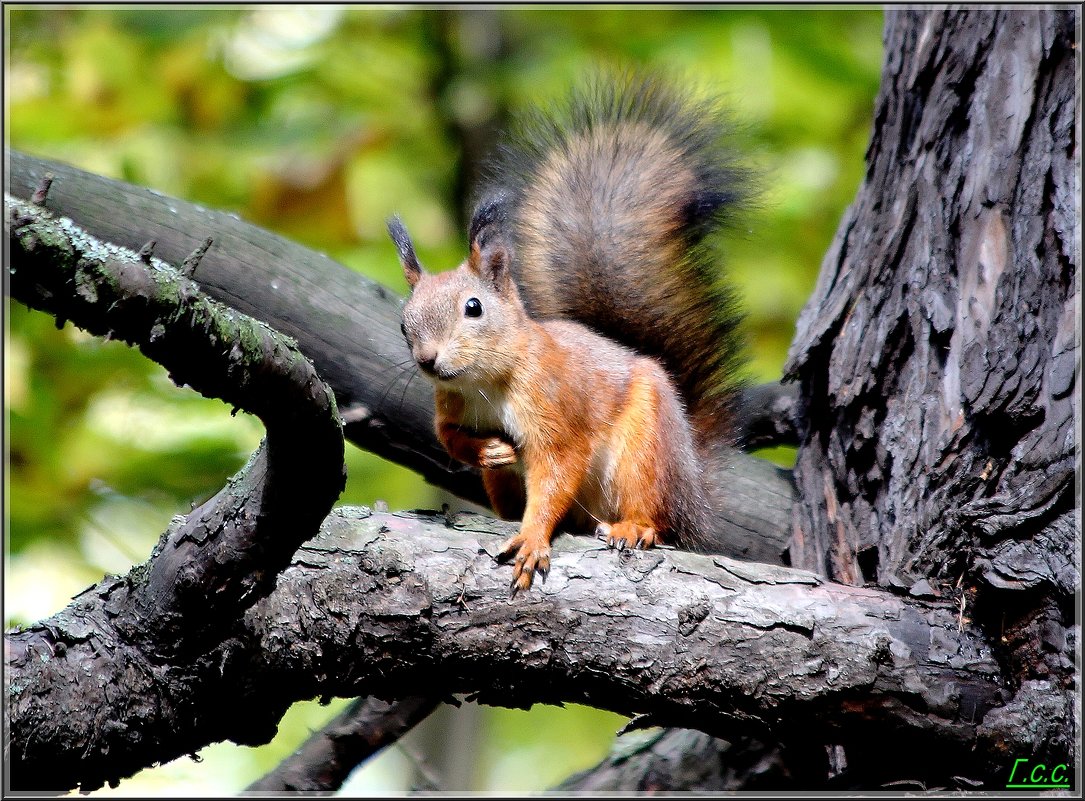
{"x":472,"y":308}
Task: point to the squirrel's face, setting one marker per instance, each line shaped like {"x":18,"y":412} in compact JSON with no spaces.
{"x":462,"y":326}
{"x":460,"y":329}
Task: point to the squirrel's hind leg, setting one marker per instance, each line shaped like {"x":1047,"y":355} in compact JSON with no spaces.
{"x":505,"y":489}
{"x":627,"y":534}
{"x":640,"y":461}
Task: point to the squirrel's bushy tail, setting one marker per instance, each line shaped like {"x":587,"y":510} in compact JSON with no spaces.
{"x":612,"y":203}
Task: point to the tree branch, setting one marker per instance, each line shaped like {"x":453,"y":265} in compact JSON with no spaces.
{"x":325,"y":760}
{"x":679,"y":759}
{"x":768,"y":416}
{"x":217,"y":561}
{"x":238,"y":541}
{"x":346,"y":324}
{"x":706,"y":642}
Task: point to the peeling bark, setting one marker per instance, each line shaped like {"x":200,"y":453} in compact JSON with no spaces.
{"x":729,"y":647}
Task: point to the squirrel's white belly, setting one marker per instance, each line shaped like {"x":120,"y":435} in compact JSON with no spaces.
{"x":491,"y":413}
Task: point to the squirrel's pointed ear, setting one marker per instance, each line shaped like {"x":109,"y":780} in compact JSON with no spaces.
{"x":412,"y":270}
{"x":492,"y":265}
{"x":490,"y":255}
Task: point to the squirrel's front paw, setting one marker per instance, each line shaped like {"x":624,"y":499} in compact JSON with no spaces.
{"x":529,"y":555}
{"x":495,"y":452}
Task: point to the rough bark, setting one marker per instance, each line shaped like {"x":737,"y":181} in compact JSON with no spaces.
{"x":209,"y":566}
{"x":938,"y":355}
{"x":349,"y":327}
{"x":725,"y":646}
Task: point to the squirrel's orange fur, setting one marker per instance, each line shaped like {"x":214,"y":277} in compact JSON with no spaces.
{"x":594,"y":220}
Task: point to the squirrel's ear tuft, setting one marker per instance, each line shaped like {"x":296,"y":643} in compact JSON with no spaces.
{"x":412,"y":270}
{"x":490,"y":219}
{"x":490,"y":257}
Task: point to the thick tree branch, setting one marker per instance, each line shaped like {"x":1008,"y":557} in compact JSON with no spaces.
{"x":238,"y":541}
{"x":346,"y":324}
{"x":349,"y":327}
{"x":222,"y":557}
{"x":707,"y":642}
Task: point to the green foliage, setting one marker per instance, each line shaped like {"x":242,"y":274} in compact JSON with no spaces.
{"x":318,"y":122}
{"x":505,"y":751}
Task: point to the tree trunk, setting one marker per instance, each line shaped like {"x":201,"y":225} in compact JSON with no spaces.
{"x":938,"y":356}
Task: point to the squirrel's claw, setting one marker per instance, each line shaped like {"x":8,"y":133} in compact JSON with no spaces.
{"x":627,"y":535}
{"x":530,"y":555}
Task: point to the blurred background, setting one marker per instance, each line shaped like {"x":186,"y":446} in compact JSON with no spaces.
{"x":318,"y":122}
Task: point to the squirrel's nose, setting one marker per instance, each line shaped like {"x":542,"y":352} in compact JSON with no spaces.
{"x":426,"y":358}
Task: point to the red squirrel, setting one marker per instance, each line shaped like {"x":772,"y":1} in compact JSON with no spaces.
{"x":585,"y":354}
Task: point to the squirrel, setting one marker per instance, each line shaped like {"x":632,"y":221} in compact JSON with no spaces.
{"x":586,"y":355}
